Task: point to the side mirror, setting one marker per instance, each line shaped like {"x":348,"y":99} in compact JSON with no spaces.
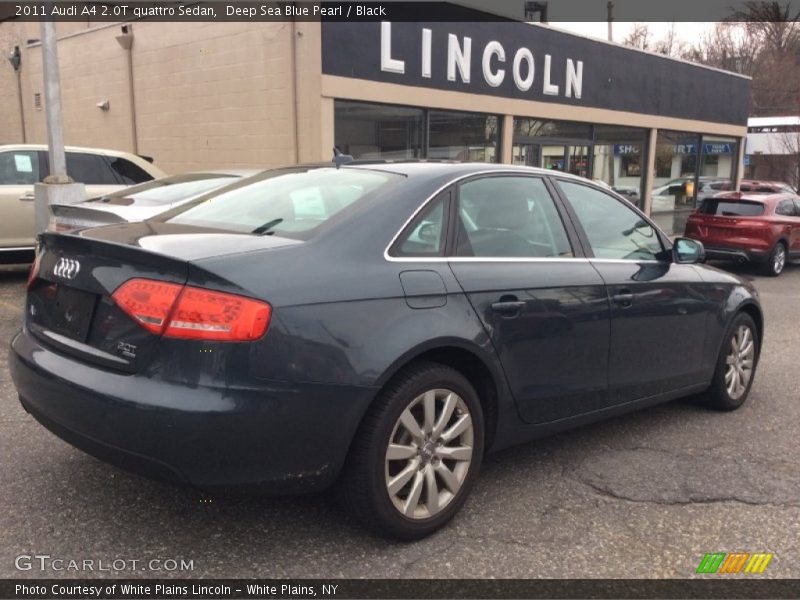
{"x":686,"y":251}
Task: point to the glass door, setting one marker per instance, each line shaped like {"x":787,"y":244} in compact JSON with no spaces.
{"x":578,"y":160}
{"x":527,"y":154}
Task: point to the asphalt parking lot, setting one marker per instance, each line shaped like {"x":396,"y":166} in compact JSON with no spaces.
{"x":645,"y":495}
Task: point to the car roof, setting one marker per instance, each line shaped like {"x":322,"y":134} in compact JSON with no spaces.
{"x":44,"y":147}
{"x":754,"y":196}
{"x":412,"y":168}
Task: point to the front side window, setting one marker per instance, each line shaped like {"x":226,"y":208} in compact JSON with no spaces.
{"x":614,"y":230}
{"x":509,"y":217}
{"x":286,"y":202}
{"x":19,"y":168}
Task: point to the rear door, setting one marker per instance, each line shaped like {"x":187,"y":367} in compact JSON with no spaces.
{"x":658,"y":308}
{"x":19,"y":170}
{"x":544,"y":306}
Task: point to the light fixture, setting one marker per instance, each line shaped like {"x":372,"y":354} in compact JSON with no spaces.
{"x":15,"y":58}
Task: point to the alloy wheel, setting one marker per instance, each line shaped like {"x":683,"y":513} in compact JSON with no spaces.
{"x":739,"y":362}
{"x":429,"y":453}
{"x":779,"y":259}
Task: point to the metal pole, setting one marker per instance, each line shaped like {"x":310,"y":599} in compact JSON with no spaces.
{"x":52,"y":96}
{"x":610,"y":7}
{"x":21,"y":108}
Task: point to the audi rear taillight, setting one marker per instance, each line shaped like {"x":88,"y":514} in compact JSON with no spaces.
{"x":34,"y":271}
{"x":187,"y":312}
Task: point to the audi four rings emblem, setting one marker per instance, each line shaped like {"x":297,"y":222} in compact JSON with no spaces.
{"x":67,"y":268}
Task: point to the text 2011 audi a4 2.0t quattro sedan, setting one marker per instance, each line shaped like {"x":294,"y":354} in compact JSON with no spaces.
{"x":381,"y":326}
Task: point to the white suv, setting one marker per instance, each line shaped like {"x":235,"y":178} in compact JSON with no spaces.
{"x":102,"y":171}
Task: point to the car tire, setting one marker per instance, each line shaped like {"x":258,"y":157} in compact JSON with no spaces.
{"x":736,"y":365}
{"x":776,"y":261}
{"x":409,"y":471}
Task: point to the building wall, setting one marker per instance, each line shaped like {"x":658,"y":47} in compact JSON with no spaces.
{"x":206,"y":95}
{"x":11,"y":34}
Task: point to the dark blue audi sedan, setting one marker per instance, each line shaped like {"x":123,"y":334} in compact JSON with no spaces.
{"x":380,"y":326}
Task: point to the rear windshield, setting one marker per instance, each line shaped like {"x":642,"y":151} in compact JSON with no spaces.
{"x":287,"y":202}
{"x":727,"y":208}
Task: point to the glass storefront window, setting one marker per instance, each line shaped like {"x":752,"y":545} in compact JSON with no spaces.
{"x":367,"y":130}
{"x":673,"y":193}
{"x":463,"y":136}
{"x":536,"y":128}
{"x":618,"y":161}
{"x":718,"y":158}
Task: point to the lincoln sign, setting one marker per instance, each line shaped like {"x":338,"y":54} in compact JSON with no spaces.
{"x":531,"y":62}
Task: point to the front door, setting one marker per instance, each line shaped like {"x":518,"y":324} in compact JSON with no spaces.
{"x":544,"y":308}
{"x":19,"y":170}
{"x":658,"y":308}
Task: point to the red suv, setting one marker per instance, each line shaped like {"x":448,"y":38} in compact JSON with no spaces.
{"x":749,"y":227}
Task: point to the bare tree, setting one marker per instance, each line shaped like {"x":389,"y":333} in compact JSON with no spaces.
{"x":790,"y":140}
{"x":639,"y":37}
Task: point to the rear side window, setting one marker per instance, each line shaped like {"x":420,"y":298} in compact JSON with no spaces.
{"x":89,"y":169}
{"x":614,"y":229}
{"x":286,"y":202}
{"x":785,"y":208}
{"x":426,"y":235}
{"x":19,"y":168}
{"x":128,"y":172}
{"x":729,"y":208}
{"x":510,"y":217}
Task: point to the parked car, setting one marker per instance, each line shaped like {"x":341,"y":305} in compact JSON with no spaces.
{"x":668,"y":196}
{"x":752,"y":227}
{"x":378,"y":325}
{"x":21,"y":166}
{"x":758,"y":186}
{"x":140,"y":202}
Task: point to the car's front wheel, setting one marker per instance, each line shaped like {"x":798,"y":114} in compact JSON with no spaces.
{"x":736,"y":365}
{"x":417,"y":453}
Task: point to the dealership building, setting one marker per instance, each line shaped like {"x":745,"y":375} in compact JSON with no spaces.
{"x":661,"y":131}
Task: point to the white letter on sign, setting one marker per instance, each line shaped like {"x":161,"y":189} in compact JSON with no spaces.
{"x":523,"y":84}
{"x":456,"y":57}
{"x":493,"y":49}
{"x":548,"y":88}
{"x":389,"y":64}
{"x":426,"y":53}
{"x":574,"y":79}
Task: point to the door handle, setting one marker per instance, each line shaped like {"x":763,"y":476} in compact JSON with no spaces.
{"x":508,"y":309}
{"x":27,"y":197}
{"x":623,"y":298}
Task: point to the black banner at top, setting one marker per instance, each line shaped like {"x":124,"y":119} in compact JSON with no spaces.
{"x":397,"y":11}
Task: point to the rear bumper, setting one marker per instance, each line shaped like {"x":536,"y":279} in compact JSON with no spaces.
{"x":738,"y":254}
{"x":280,"y":436}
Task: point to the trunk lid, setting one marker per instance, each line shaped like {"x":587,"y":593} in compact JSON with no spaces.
{"x":70,"y":305}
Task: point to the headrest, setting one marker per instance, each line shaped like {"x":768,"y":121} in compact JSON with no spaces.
{"x":504,"y":212}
